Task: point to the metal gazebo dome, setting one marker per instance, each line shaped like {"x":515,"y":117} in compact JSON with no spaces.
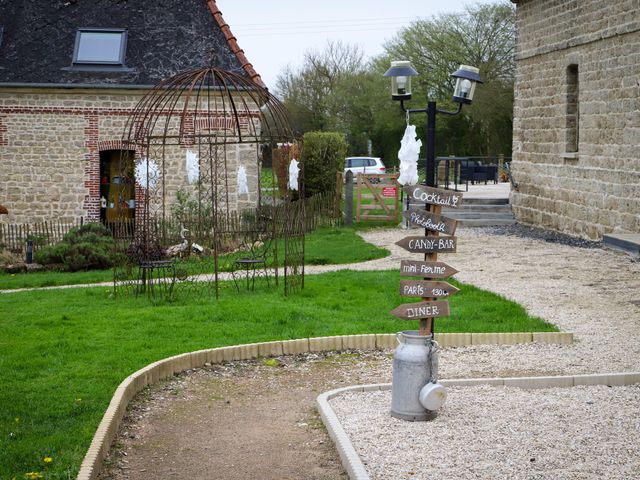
{"x":193,"y":144}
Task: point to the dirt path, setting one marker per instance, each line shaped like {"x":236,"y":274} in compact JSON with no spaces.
{"x":239,"y":421}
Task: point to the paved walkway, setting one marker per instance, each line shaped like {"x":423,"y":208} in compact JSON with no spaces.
{"x":489,"y":191}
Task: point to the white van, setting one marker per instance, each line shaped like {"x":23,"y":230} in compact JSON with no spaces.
{"x":369,"y":165}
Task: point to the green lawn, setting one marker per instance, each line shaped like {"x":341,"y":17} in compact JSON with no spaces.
{"x":325,"y":245}
{"x":65,"y":351}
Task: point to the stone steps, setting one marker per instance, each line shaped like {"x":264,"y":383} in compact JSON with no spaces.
{"x":479,"y":212}
{"x":626,"y":242}
{"x":482,"y":213}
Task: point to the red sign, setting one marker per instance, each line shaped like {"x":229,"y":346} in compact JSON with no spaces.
{"x":389,"y":191}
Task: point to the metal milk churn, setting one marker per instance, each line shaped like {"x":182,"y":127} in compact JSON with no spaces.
{"x":415,"y":364}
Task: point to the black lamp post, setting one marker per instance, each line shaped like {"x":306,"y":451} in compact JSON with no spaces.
{"x":466,"y":80}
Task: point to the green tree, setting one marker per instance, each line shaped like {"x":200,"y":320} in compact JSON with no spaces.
{"x":322,"y":155}
{"x":484,"y":36}
{"x":337,"y":90}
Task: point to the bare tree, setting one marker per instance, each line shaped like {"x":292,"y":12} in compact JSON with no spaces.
{"x":309,"y":92}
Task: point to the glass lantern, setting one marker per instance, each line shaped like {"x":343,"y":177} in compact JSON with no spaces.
{"x":467,"y":78}
{"x":401,"y":72}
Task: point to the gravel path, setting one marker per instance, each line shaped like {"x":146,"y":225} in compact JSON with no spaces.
{"x":551,"y":434}
{"x":590,"y":291}
{"x":503,"y":433}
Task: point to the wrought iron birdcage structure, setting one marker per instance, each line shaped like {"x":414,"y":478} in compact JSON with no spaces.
{"x":201,"y":213}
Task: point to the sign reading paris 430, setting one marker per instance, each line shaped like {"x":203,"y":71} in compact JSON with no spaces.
{"x":426,"y":288}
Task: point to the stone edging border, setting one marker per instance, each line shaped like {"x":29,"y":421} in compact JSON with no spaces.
{"x":134,"y":383}
{"x":350,"y":458}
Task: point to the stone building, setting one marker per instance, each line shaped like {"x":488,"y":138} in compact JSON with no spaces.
{"x":71,"y":72}
{"x":576,"y":147}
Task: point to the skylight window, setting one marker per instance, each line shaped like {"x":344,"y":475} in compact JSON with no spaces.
{"x":95,"y":46}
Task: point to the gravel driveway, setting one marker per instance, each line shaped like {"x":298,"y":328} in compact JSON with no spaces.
{"x":592,"y":292}
{"x":504,"y":433}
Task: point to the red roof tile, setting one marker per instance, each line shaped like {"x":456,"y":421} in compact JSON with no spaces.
{"x":233,"y":44}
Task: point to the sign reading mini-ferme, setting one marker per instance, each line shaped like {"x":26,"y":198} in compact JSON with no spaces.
{"x":415,"y":268}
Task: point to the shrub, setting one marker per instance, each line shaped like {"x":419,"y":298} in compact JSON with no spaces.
{"x":83,"y":248}
{"x":323,"y":155}
{"x":10,"y":261}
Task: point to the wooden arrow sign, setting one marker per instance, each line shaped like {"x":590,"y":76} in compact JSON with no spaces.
{"x":411,"y":268}
{"x":433,"y":196}
{"x":415,"y":311}
{"x":431,"y":221}
{"x":425,"y":288}
{"x":428,"y":244}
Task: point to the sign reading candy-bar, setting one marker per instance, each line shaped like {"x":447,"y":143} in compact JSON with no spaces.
{"x":428,"y":244}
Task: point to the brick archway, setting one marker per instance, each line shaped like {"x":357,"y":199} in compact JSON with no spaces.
{"x":92,"y":166}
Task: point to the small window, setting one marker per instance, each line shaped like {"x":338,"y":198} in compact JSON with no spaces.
{"x":100,"y":46}
{"x":573,"y":109}
{"x":371,"y":162}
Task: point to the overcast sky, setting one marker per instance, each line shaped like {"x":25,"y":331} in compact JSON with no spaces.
{"x":274,"y":33}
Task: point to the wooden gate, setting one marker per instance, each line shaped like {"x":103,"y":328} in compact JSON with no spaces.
{"x":378,"y":197}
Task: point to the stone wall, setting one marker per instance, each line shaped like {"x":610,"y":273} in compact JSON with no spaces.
{"x":50,"y":143}
{"x":577,"y":158}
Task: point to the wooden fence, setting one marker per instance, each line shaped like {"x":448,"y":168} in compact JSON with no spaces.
{"x":320,"y":210}
{"x":14,"y":236}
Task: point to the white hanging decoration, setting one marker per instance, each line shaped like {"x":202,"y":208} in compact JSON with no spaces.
{"x":143,"y":167}
{"x":243,"y":187}
{"x":294,"y":170}
{"x":408,"y":156}
{"x":193,"y":167}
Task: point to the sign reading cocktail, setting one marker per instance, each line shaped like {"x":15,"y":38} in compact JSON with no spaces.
{"x":433,"y":196}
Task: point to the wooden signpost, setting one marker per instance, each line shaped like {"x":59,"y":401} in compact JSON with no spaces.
{"x":429,"y":269}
